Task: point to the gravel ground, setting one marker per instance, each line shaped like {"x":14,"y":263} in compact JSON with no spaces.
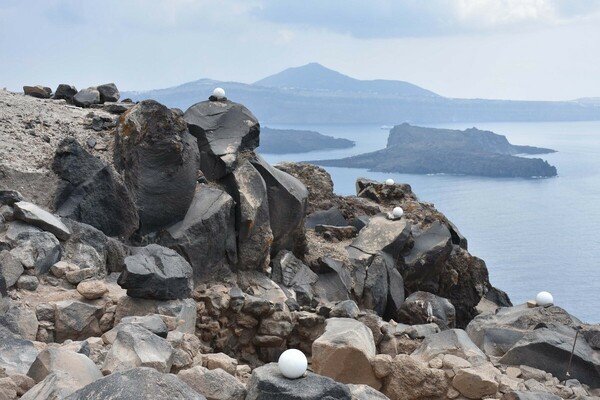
{"x":30,"y":131}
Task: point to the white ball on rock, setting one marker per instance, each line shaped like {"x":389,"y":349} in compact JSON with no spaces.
{"x":292,"y":363}
{"x":219,"y":93}
{"x":397,"y":212}
{"x":389,"y":182}
{"x":544,"y":299}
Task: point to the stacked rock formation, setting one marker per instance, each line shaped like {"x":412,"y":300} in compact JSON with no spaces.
{"x":182,"y":265}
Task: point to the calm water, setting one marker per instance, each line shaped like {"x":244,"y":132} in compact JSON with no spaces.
{"x":534,"y":234}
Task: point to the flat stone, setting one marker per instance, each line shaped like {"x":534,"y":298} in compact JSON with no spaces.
{"x":36,"y":216}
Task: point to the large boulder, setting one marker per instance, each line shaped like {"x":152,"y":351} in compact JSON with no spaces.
{"x":497,"y":333}
{"x":88,"y":247}
{"x":267,"y":383}
{"x":108,"y":92}
{"x":183,"y":311}
{"x":137,"y":383}
{"x":344,"y":351}
{"x":36,"y":216}
{"x":77,"y":320}
{"x":452,"y":341}
{"x":550,"y":350}
{"x":86,"y":97}
{"x":215,"y":384}
{"x":294,"y":274}
{"x":37,"y":250}
{"x":10,"y":268}
{"x":287,"y":206}
{"x":20,"y":319}
{"x":423,"y":308}
{"x":437,"y":266}
{"x":16,"y":354}
{"x":411,"y":379}
{"x":135,"y":346}
{"x":39,"y":91}
{"x":53,"y":360}
{"x":383,"y":234}
{"x":92,"y":192}
{"x":332,"y":216}
{"x":223,"y":129}
{"x":65,"y":92}
{"x":158,"y":159}
{"x":156,"y":272}
{"x":254,"y":235}
{"x":206,"y":235}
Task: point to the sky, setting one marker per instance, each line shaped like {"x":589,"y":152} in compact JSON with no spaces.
{"x":501,"y":49}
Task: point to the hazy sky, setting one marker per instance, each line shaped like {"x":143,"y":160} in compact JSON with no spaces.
{"x":508,"y":49}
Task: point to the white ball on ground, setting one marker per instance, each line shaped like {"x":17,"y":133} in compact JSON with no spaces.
{"x":389,"y":182}
{"x":292,"y":363}
{"x":219,"y":93}
{"x":397,"y":212}
{"x":544,"y":299}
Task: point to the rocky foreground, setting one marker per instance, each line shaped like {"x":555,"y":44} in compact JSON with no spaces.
{"x":147,"y":252}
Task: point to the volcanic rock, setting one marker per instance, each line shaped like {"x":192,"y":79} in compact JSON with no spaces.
{"x":223,"y":130}
{"x":158,"y":159}
{"x":267,"y":383}
{"x":206,"y":235}
{"x":155,"y":272}
{"x":86,"y":97}
{"x":108,"y":92}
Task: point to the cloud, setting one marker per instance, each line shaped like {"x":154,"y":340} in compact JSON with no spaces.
{"x":417,"y":18}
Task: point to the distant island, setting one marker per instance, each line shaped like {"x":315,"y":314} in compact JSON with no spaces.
{"x":314,"y":94}
{"x":283,"y":141}
{"x":419,"y":150}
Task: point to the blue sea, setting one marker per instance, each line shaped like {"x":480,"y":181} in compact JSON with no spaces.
{"x":534,"y":234}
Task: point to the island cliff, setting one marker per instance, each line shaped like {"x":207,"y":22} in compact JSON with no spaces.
{"x":181,"y":265}
{"x":418,"y":150}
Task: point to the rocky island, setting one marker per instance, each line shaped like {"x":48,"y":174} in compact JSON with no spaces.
{"x":419,"y":150}
{"x":150,"y":253}
{"x":287,"y":141}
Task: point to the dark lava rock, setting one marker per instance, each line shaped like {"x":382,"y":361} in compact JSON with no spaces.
{"x":287,"y":206}
{"x":41,"y":92}
{"x":550,"y":350}
{"x":332,"y":216}
{"x":135,"y":384}
{"x":497,"y":333}
{"x":423,"y":308}
{"x":382,"y":234}
{"x":294,"y":274}
{"x":108,"y":92}
{"x":65,"y":92}
{"x":37,"y":250}
{"x":10,"y":197}
{"x":267,"y":383}
{"x":253,"y":227}
{"x":92,"y":192}
{"x":223,"y":129}
{"x":86,"y":97}
{"x":206,"y":235}
{"x":155,"y":272}
{"x":158,"y":159}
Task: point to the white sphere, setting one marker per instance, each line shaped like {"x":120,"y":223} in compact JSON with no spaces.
{"x":544,"y":298}
{"x":397,"y":212}
{"x":219,"y":93}
{"x":292,"y":363}
{"x":389,"y":182}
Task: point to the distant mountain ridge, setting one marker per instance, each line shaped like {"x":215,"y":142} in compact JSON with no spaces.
{"x":419,"y":150}
{"x":287,"y":141}
{"x":314,"y":76}
{"x":313,"y":94}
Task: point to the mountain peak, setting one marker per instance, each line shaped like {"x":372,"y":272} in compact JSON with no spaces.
{"x":314,"y":76}
{"x":309,"y":76}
